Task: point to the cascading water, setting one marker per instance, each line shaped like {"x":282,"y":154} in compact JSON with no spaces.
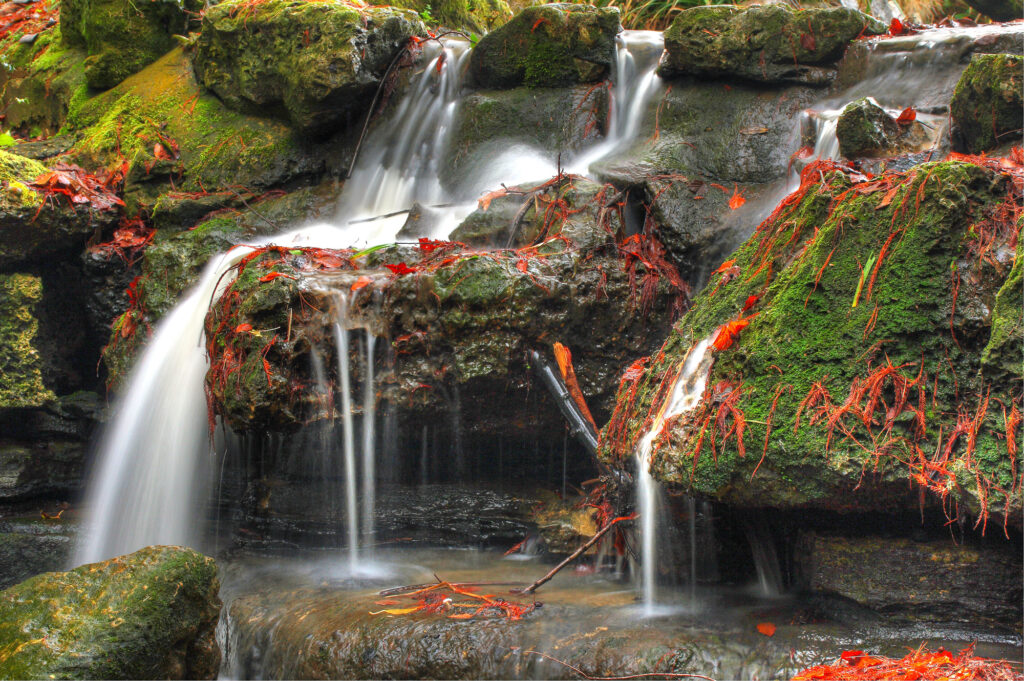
{"x":684,"y":396}
{"x":153,"y":468}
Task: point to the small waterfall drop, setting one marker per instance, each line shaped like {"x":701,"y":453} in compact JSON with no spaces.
{"x":685,"y":394}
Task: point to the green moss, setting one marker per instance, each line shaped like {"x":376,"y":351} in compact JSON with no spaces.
{"x":987,"y":102}
{"x":1002,"y":355}
{"x":21,"y":381}
{"x":807,"y":331}
{"x":136,"y":616}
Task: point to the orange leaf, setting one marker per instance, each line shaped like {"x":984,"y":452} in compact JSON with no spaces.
{"x":242,"y":328}
{"x":461,"y":616}
{"x":398,"y":611}
{"x":736,"y":200}
{"x":848,"y":655}
{"x":906,"y":116}
{"x":751,"y":301}
{"x":361,"y":282}
{"x":766,"y":628}
{"x":485,"y":200}
{"x":522,"y":265}
{"x":274,"y":275}
{"x":724,"y":266}
{"x":160,"y":152}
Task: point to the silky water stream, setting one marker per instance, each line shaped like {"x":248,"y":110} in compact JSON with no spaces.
{"x":308,"y":614}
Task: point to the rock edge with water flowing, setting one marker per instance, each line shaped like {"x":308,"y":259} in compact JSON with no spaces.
{"x":147,"y":615}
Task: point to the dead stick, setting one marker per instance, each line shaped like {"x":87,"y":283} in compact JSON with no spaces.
{"x":648,"y":675}
{"x":395,"y":591}
{"x":576,"y":554}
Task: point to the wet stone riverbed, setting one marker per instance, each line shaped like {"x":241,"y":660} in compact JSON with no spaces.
{"x":308,"y":616}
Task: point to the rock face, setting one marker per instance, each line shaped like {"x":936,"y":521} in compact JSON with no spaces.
{"x":999,"y":10}
{"x":31,"y":546}
{"x":318,"y":64}
{"x":766,"y":43}
{"x":147,"y":615}
{"x":548,"y":46}
{"x":122,"y":37}
{"x":926,"y":581}
{"x":21,"y":377}
{"x":866,"y":129}
{"x":816,"y":397}
{"x":987,"y":102}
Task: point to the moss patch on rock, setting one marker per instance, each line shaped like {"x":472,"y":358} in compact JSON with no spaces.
{"x":148,"y":615}
{"x":764,"y":43}
{"x":317,"y":64}
{"x":872,"y":303}
{"x":548,"y":46}
{"x":477,"y":16}
{"x":21,"y":379}
{"x":987,"y":103}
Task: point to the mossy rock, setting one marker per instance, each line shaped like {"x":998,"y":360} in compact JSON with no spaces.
{"x":850,"y":284}
{"x":21,"y":366}
{"x":999,"y":10}
{"x":477,"y":16}
{"x":865,"y":130}
{"x":763,"y":43}
{"x":217,"y":147}
{"x":147,"y":615}
{"x":317,"y":64}
{"x":548,"y":46}
{"x":123,"y":37}
{"x":987,"y":103}
{"x":551,"y":120}
{"x":42,"y":79}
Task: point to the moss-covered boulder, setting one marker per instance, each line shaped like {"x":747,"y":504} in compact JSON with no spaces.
{"x":987,"y":103}
{"x":147,"y":615}
{"x":202,"y":145}
{"x":21,"y":366}
{"x":548,"y":46}
{"x":477,"y":16}
{"x":859,"y":310}
{"x":551,"y":120}
{"x":42,"y":78}
{"x":123,"y":37}
{"x":763,"y":43}
{"x":933,"y":581}
{"x":865,"y":129}
{"x":33,"y":227}
{"x":317,"y":64}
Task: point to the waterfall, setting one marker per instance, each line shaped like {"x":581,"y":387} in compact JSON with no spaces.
{"x":685,"y":394}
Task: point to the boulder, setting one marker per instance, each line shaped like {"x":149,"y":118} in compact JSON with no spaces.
{"x":147,"y":615}
{"x":930,"y":581}
{"x":762,"y":43}
{"x":123,"y":37}
{"x":548,"y":46}
{"x":793,"y":414}
{"x":552,"y":121}
{"x":42,"y":79}
{"x":21,"y":365}
{"x":30,"y":546}
{"x":987,"y":102}
{"x":999,"y":10}
{"x":316,"y":64}
{"x":475,"y":16}
{"x":866,"y":129}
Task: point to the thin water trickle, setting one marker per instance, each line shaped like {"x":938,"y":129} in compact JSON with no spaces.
{"x":684,"y":396}
{"x":348,"y":438}
{"x":369,"y":445}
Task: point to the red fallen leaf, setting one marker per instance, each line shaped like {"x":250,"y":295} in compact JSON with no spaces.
{"x":361,"y":282}
{"x":522,"y":265}
{"x":485,"y":200}
{"x":728,"y":332}
{"x":274,"y":275}
{"x":400,"y":269}
{"x":907,"y":116}
{"x":242,"y":328}
{"x":766,"y":628}
{"x":896,"y":27}
{"x":736,"y":200}
{"x":848,"y":655}
{"x":160,"y":152}
{"x":724,"y":266}
{"x":807,"y":42}
{"x":431,"y":245}
{"x":751,"y":301}
{"x":1017,"y":155}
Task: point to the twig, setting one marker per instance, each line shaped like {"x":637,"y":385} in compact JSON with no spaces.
{"x":373,"y":106}
{"x":397,"y":212}
{"x":416,"y":587}
{"x":576,"y":554}
{"x":520,"y":214}
{"x":648,"y":675}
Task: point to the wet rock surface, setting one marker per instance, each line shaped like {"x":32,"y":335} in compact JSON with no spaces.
{"x":925,"y":581}
{"x":250,"y":57}
{"x":767,"y":43}
{"x":987,"y":102}
{"x":548,"y":46}
{"x":150,"y":614}
{"x":30,"y":546}
{"x":866,"y":129}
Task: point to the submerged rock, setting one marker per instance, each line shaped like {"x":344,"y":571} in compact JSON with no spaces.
{"x":548,"y":46}
{"x":987,"y":103}
{"x":850,"y":298}
{"x":866,"y":129}
{"x":763,"y":43}
{"x":147,"y":615}
{"x":123,"y":37}
{"x":925,"y":581}
{"x":318,"y":64}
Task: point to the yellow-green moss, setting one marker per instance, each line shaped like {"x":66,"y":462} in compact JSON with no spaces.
{"x":21,"y":380}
